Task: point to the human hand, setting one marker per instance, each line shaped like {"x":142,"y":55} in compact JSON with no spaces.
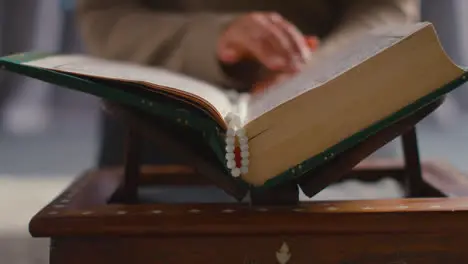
{"x":276,"y":77}
{"x":268,"y":38}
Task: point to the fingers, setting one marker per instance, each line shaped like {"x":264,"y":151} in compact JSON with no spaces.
{"x":253,"y":37}
{"x":267,"y":43}
{"x":296,"y":40}
{"x":267,"y":38}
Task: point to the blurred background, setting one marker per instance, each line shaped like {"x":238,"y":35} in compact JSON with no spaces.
{"x":48,"y":135}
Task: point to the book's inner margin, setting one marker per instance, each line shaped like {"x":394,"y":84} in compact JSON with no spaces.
{"x":208,"y":97}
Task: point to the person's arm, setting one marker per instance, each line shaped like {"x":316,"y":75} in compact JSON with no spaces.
{"x":363,"y":15}
{"x":127,"y":30}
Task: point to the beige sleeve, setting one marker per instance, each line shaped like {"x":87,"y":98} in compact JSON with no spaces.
{"x":126,"y":30}
{"x":363,"y":15}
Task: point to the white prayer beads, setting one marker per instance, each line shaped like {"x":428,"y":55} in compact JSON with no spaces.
{"x":235,"y":129}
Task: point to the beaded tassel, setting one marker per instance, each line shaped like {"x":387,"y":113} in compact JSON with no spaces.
{"x":237,"y":158}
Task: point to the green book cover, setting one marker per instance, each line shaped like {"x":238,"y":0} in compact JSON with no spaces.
{"x":192,"y":118}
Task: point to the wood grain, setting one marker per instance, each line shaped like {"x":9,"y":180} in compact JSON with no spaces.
{"x":303,"y":249}
{"x":84,"y":209}
{"x":179,"y":143}
{"x":85,"y":224}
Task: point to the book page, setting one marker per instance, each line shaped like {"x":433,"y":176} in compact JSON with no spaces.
{"x":172,"y":82}
{"x":325,"y":67}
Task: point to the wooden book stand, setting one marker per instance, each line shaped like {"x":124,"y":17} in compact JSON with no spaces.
{"x":101,"y":218}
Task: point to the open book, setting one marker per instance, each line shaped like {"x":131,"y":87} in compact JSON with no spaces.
{"x":339,"y":100}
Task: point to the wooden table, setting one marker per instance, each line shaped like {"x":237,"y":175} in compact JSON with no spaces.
{"x":101,"y":218}
{"x":87,"y":226}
